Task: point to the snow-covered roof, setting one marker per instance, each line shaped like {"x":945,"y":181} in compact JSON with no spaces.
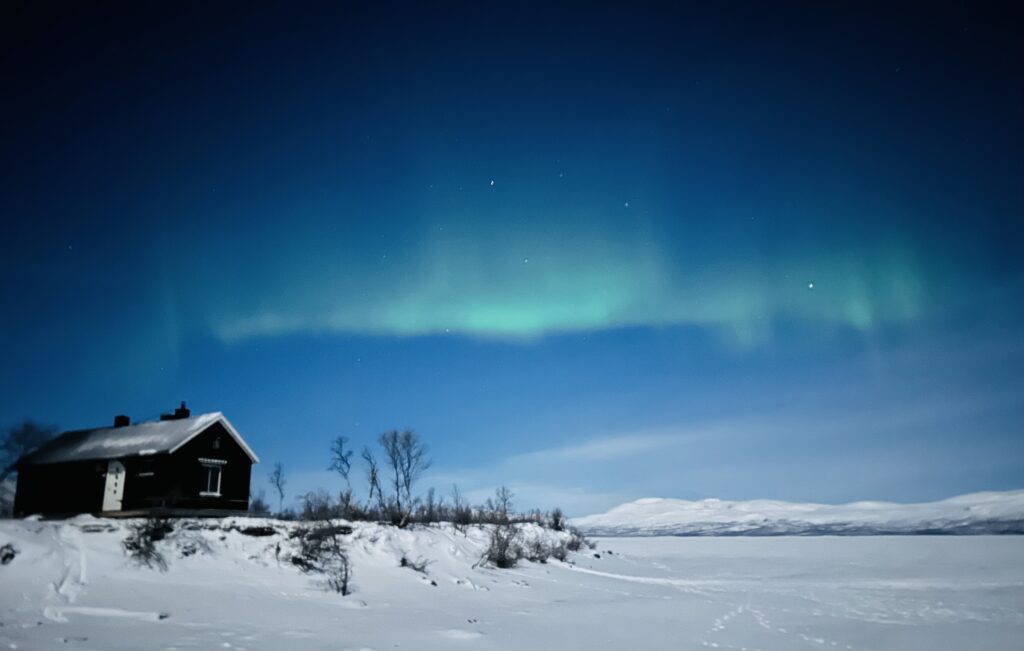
{"x":152,"y":437}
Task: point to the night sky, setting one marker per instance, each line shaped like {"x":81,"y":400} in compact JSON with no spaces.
{"x":594,"y":252}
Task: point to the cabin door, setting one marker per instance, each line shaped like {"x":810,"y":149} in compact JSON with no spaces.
{"x":114,"y":490}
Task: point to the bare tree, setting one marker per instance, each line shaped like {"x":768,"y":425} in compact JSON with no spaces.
{"x":389,"y":442}
{"x":430,"y":507}
{"x":279,"y":481}
{"x":407,"y":459}
{"x":19,"y":441}
{"x":462,"y":514}
{"x":341,"y":458}
{"x":373,"y":474}
{"x":503,"y":503}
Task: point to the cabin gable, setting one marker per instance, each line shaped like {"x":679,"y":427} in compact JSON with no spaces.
{"x":212,"y":471}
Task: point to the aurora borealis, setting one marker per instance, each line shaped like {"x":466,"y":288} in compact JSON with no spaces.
{"x":751,"y":250}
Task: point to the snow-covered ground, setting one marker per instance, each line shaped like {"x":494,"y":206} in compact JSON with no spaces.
{"x":71,"y":586}
{"x":976,"y":513}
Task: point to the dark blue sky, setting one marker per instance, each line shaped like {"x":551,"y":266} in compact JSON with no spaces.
{"x":593,"y":252}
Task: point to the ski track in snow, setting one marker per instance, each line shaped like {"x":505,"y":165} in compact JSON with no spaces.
{"x":73,"y":581}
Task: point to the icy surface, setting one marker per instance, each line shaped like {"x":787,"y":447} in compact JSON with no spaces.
{"x":71,"y":587}
{"x":989,"y":512}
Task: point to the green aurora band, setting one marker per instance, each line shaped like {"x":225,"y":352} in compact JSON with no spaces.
{"x":523,"y":286}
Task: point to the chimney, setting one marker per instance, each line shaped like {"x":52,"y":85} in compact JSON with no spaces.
{"x":182,"y":411}
{"x":177,"y":414}
{"x":121,"y":421}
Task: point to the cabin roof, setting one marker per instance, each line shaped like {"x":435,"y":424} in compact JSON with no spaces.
{"x":141,"y":439}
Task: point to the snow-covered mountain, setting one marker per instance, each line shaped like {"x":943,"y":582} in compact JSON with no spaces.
{"x":976,"y":513}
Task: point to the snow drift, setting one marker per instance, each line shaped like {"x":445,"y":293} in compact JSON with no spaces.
{"x":976,"y":513}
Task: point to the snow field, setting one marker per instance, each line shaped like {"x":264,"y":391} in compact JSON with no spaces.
{"x":71,"y":586}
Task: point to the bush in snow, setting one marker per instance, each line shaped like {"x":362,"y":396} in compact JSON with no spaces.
{"x":419,"y":565}
{"x":258,"y":504}
{"x":539,"y":551}
{"x":560,"y":551}
{"x":503,"y":548}
{"x":140,"y":544}
{"x":556,"y":520}
{"x":578,"y":541}
{"x":316,"y":505}
{"x":536,"y":551}
{"x":321,"y":550}
{"x":339,"y":571}
{"x":7,"y":553}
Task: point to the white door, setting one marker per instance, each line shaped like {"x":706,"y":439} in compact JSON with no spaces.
{"x":114,"y":490}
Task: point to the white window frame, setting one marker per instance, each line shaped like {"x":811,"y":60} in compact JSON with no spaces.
{"x":210,"y":465}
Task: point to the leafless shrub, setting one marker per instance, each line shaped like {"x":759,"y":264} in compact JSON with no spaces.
{"x":190,"y":543}
{"x":316,"y":505}
{"x":578,"y":541}
{"x":560,"y":551}
{"x":556,"y":520}
{"x":140,"y":544}
{"x":322,"y":551}
{"x":503,"y":548}
{"x":419,"y":565}
{"x":536,"y":551}
{"x":7,"y":553}
{"x":258,"y":505}
{"x":339,"y":572}
{"x":539,"y":551}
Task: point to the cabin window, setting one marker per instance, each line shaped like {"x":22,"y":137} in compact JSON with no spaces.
{"x":210,"y":477}
{"x":146,"y":468}
{"x":216,"y":443}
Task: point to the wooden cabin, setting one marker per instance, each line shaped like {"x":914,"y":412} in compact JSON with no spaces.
{"x":178,"y":465}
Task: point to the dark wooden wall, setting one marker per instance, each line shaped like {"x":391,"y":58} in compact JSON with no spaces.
{"x":58,"y":488}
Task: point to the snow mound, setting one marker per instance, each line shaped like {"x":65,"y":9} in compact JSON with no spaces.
{"x":976,"y":513}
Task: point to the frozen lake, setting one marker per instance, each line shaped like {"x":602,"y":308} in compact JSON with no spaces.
{"x":896,"y":592}
{"x":70,"y":588}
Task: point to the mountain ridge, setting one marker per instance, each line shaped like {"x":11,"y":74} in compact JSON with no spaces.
{"x":987,"y":512}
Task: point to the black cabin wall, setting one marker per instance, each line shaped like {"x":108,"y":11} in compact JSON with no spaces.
{"x":147,"y":481}
{"x":60,"y":488}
